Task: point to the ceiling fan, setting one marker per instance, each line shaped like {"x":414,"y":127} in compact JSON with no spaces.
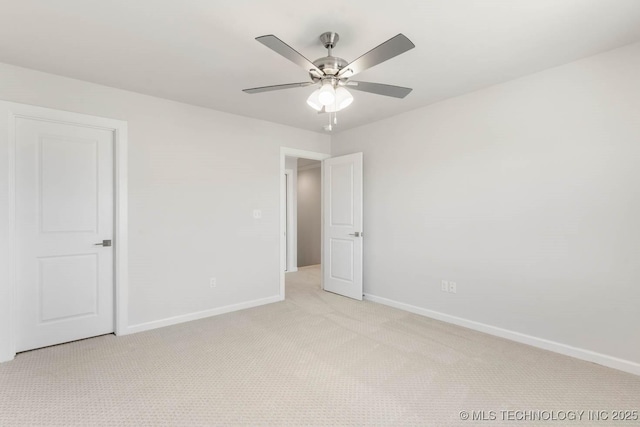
{"x":333,"y":74}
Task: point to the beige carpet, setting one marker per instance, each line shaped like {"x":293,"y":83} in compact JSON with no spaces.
{"x":314,"y":359}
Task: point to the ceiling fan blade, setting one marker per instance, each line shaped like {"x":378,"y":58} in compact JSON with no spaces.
{"x":278,"y":46}
{"x":276,"y":87}
{"x":387,"y":50}
{"x":380,"y":89}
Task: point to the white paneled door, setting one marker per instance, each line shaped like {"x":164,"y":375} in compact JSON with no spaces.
{"x":64,"y":228}
{"x":342,"y":258}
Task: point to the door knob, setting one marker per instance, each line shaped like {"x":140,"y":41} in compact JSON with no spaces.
{"x":104,"y":243}
{"x":356,"y":234}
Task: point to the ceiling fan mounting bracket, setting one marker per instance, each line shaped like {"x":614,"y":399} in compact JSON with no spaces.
{"x":329,"y":39}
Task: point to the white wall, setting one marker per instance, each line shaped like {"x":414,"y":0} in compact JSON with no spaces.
{"x":192,"y":190}
{"x":309,"y":215}
{"x":527,"y":194}
{"x":292,"y":239}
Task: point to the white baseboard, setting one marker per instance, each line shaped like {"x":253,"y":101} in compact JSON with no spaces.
{"x":200,"y":314}
{"x":292,"y":270}
{"x":567,"y":350}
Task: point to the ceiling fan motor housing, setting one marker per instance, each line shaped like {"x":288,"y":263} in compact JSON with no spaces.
{"x":330,"y":65}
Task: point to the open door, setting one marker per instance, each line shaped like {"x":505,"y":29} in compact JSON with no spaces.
{"x":342,"y":253}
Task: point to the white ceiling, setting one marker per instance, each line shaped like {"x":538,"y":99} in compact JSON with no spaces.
{"x":203,"y":52}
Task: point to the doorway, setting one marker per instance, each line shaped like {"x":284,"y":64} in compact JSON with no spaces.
{"x":303,"y":195}
{"x":294,"y":162}
{"x":309,"y":210}
{"x":341,"y":229}
{"x":303,"y":204}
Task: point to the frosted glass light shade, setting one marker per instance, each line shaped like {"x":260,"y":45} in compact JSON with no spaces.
{"x":327,"y":94}
{"x":313,"y":100}
{"x":343,"y":100}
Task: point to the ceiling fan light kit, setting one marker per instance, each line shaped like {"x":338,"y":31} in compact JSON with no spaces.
{"x":327,"y":94}
{"x":343,"y":99}
{"x":313,"y":100}
{"x":333,"y":73}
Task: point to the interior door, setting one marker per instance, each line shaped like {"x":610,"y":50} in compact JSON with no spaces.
{"x":342,"y":247}
{"x":64,"y":227}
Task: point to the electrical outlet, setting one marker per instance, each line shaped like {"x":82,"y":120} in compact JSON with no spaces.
{"x":257,"y":214}
{"x":444,"y":286}
{"x":453,"y":287}
{"x":213,"y":282}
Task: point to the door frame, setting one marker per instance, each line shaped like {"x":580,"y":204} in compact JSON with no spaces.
{"x":294,"y":152}
{"x":15,"y":111}
{"x":289,"y":221}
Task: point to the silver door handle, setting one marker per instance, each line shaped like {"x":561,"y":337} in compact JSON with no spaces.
{"x":357,"y":234}
{"x":104,"y":243}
